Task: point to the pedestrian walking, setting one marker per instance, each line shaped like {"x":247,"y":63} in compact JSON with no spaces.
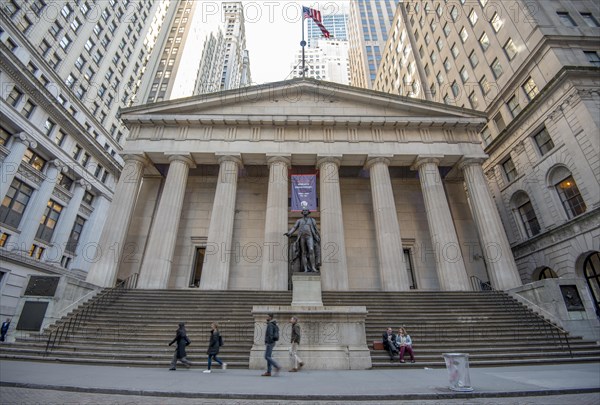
{"x":182,"y":341}
{"x":214,"y":345}
{"x":4,"y":329}
{"x":295,"y":360}
{"x":271,"y":338}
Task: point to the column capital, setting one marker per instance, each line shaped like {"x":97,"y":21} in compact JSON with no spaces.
{"x":26,"y":139}
{"x":60,"y":165}
{"x":471,"y":160}
{"x":423,"y":159}
{"x":230,"y":157}
{"x":182,"y":157}
{"x":84,"y":184}
{"x":374,"y":159}
{"x":274,"y":159}
{"x":135,"y":157}
{"x":335,"y":159}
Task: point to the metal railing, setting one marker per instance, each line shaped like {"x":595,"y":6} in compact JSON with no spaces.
{"x":64,"y":330}
{"x":550,"y":328}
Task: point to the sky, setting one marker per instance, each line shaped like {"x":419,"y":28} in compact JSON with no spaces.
{"x":273,"y":32}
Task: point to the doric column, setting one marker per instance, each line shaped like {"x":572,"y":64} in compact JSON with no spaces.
{"x":10,"y":164}
{"x":392,"y":268}
{"x":449,"y":262}
{"x":275,"y":265}
{"x":215,"y":271}
{"x":334,"y":271}
{"x":35,"y":212}
{"x":108,"y":257}
{"x":65,"y":223}
{"x":496,"y":249}
{"x":158,"y":255}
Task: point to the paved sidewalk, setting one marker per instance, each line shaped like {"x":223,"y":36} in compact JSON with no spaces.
{"x":367,"y":385}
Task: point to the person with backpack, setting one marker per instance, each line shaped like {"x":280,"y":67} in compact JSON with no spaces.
{"x":214,"y":345}
{"x":182,"y":341}
{"x":271,"y":338}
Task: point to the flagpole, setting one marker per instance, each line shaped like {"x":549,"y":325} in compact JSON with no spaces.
{"x":303,"y":44}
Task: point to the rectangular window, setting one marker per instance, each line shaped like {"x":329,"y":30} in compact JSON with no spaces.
{"x":514,"y":106}
{"x":32,"y":158}
{"x":455,"y":88}
{"x":543,"y":141}
{"x":28,"y":108}
{"x":473,"y":59}
{"x":455,"y":51}
{"x":473,"y":17}
{"x":75,"y":234}
{"x":474,"y":102}
{"x":510,"y":171}
{"x":76,"y":152}
{"x":499,"y":121}
{"x":530,"y":88}
{"x":14,"y":204}
{"x":511,"y":49}
{"x":454,"y":13}
{"x":49,"y":127}
{"x":433,"y":56}
{"x":49,"y":220}
{"x":464,"y":35}
{"x":590,"y":20}
{"x":60,"y":137}
{"x":485,"y":85}
{"x":440,"y":78}
{"x":484,"y":41}
{"x":88,"y":198}
{"x":440,"y":44}
{"x":464,"y":74}
{"x":592,"y":57}
{"x":447,"y":65}
{"x":65,"y":42}
{"x":566,"y":19}
{"x":66,"y":11}
{"x":14,"y":97}
{"x":571,"y":197}
{"x":86,"y":159}
{"x":447,"y":29}
{"x":529,"y":219}
{"x":496,"y":22}
{"x":486,"y":136}
{"x":496,"y":68}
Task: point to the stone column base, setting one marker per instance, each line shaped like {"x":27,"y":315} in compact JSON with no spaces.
{"x":333,"y":338}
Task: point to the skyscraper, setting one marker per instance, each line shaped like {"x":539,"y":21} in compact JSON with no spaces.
{"x":326,"y":60}
{"x":336,"y":24}
{"x":66,"y":69}
{"x":236,"y":63}
{"x":368,"y":27}
{"x":533,"y":68}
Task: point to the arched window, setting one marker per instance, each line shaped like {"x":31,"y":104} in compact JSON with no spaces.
{"x":547,"y":272}
{"x":568,"y":192}
{"x":525,"y":214}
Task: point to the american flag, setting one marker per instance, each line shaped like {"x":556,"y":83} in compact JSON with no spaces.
{"x":315,"y":15}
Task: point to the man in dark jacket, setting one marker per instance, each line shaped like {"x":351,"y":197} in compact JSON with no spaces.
{"x":4,"y":330}
{"x":271,"y":337}
{"x":182,"y":341}
{"x":295,"y":360}
{"x":389,"y":343}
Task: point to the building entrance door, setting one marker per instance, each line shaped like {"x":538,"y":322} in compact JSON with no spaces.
{"x":591,"y":270}
{"x":197,"y":267}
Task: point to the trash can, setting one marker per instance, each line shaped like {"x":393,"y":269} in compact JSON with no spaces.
{"x":458,"y":371}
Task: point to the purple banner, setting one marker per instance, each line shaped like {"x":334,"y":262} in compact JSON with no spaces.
{"x":304,"y":192}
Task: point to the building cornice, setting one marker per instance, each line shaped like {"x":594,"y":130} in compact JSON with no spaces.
{"x":566,"y":73}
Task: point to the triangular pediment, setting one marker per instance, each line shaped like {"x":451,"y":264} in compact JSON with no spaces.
{"x":300,"y":101}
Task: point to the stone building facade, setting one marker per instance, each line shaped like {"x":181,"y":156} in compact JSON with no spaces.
{"x":403,"y":202}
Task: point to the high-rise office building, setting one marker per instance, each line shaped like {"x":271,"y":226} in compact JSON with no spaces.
{"x":533,"y":68}
{"x":326,"y":60}
{"x":336,"y":24}
{"x":66,"y":68}
{"x":236,"y":65}
{"x":165,"y":64}
{"x":368,"y":27}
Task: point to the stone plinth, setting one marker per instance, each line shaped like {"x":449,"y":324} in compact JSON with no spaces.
{"x":306,"y":290}
{"x":333,"y":337}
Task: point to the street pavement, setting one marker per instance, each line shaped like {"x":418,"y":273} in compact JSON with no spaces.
{"x":23,"y":382}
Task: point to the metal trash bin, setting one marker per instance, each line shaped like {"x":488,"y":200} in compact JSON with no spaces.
{"x":458,"y":371}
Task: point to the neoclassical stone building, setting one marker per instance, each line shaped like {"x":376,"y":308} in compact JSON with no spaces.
{"x":203,"y":200}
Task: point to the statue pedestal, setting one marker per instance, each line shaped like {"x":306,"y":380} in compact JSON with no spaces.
{"x":306,"y":290}
{"x":332,"y":337}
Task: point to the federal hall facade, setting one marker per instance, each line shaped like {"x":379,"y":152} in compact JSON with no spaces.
{"x":204,"y":198}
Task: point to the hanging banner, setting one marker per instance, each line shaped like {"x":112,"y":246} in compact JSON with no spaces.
{"x":304,"y":192}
